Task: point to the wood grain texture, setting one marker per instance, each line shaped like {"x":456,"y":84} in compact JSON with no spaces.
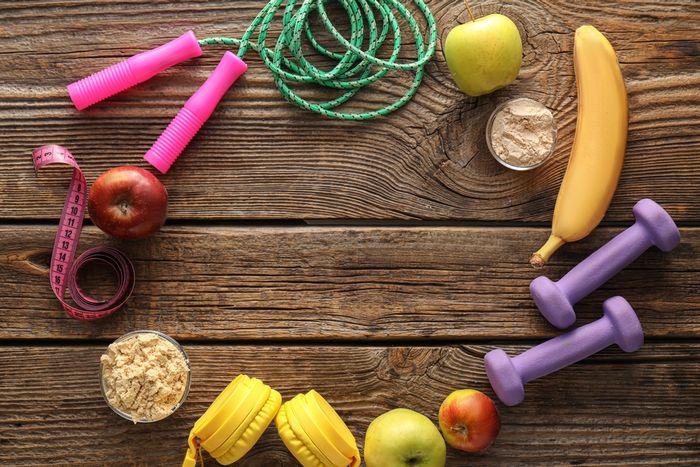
{"x":341,"y":283}
{"x":372,"y":317}
{"x":260,"y":158}
{"x":612,"y":409}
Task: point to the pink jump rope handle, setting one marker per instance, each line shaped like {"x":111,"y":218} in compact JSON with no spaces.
{"x":194,"y":113}
{"x":132,"y":71}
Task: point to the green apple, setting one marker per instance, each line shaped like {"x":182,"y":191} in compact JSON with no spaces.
{"x":484,"y":54}
{"x":404,"y":438}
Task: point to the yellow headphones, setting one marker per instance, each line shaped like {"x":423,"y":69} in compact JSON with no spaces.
{"x":309,"y":427}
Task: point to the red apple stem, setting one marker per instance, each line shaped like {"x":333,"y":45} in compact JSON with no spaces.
{"x":469,"y":10}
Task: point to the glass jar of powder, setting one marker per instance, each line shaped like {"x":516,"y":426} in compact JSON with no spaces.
{"x":145,"y":376}
{"x":521,"y":134}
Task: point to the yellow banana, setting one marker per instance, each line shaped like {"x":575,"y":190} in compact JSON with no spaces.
{"x":599,"y":145}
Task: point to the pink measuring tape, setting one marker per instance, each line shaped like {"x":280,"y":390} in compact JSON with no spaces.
{"x":64,"y":270}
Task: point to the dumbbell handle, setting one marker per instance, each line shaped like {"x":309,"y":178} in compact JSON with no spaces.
{"x":604,"y":263}
{"x":564,"y":350}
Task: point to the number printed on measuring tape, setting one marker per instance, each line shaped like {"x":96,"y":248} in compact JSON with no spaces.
{"x":64,"y":267}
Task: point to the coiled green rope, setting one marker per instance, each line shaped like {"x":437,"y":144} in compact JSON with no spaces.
{"x":371,"y":22}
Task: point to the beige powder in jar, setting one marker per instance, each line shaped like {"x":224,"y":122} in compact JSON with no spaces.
{"x":144,"y":376}
{"x":522,"y":133}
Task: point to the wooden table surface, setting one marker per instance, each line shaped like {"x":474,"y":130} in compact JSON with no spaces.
{"x":376,"y":262}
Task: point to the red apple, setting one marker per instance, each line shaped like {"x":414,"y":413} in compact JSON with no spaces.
{"x":128,"y":203}
{"x":469,"y":420}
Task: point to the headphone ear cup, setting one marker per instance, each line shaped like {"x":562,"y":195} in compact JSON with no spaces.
{"x":255,"y":429}
{"x":315,"y":434}
{"x":234,"y":422}
{"x":294,"y":443}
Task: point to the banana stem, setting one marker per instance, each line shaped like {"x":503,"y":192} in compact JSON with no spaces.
{"x":542,"y":255}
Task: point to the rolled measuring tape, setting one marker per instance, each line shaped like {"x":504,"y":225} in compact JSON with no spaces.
{"x":234,"y":422}
{"x":315,"y":434}
{"x":64,"y":266}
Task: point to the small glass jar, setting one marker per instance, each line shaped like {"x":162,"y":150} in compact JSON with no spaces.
{"x":489,"y":142}
{"x":184,"y":393}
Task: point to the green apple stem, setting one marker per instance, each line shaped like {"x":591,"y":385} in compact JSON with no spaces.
{"x":469,"y":10}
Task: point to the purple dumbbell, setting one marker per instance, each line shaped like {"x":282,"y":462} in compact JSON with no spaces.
{"x":556,"y":300}
{"x":619,"y":325}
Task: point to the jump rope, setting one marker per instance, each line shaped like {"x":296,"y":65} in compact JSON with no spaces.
{"x":374,"y":27}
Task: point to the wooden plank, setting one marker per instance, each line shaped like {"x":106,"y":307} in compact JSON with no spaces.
{"x":341,"y":283}
{"x":261,"y":158}
{"x":623,"y":409}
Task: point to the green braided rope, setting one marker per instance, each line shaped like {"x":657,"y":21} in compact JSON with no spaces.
{"x":371,"y":23}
